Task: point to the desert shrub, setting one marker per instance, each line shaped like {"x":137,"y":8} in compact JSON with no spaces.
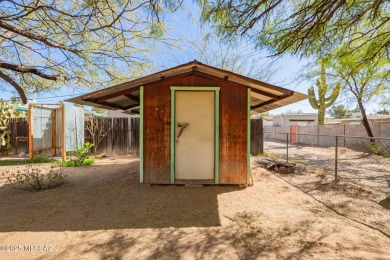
{"x":320,"y":172}
{"x":71,"y":163}
{"x":377,"y":149}
{"x":31,"y":178}
{"x":80,"y":156}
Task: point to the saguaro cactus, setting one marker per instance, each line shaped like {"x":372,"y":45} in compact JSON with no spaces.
{"x":322,"y":103}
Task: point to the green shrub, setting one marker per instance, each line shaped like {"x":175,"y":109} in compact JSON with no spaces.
{"x":71,"y":163}
{"x":80,"y":156}
{"x":32,"y":178}
{"x":40,"y":159}
{"x":377,"y":149}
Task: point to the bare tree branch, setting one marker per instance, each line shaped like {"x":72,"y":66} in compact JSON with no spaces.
{"x":32,"y":36}
{"x":18,"y":88}
{"x":46,"y":44}
{"x":23,"y":69}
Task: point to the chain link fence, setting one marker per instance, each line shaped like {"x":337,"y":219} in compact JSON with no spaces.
{"x":347,"y":157}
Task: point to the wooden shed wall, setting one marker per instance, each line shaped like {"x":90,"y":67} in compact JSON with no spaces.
{"x":233,"y":128}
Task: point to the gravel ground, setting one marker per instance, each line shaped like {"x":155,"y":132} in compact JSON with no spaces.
{"x":103,"y":212}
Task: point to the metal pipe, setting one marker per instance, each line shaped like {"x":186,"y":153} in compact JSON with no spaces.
{"x":287,"y":145}
{"x":336,"y":158}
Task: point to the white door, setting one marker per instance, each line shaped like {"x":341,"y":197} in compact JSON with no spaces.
{"x":194,"y":135}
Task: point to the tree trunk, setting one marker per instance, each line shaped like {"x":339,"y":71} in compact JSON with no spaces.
{"x":94,"y":145}
{"x":365,"y":120}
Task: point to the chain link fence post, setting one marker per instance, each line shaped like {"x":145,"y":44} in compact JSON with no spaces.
{"x":336,"y":157}
{"x":287,"y":146}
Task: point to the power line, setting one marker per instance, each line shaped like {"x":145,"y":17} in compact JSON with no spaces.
{"x":61,"y":96}
{"x":52,"y":97}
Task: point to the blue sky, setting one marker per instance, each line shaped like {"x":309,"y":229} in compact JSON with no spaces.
{"x":185,"y":25}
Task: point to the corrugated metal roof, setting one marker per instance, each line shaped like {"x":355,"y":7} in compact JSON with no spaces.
{"x":125,"y":96}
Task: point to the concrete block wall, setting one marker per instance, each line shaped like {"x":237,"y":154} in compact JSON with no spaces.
{"x":280,"y":132}
{"x":359,"y":130}
{"x":331,"y":130}
{"x":381,"y":130}
{"x":269,"y":132}
{"x":384,"y":130}
{"x":304,"y":132}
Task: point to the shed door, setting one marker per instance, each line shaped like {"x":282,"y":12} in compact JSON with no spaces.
{"x":194,"y":135}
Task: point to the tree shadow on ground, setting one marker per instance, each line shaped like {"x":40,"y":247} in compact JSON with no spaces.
{"x":246,"y":238}
{"x":109,"y":197}
{"x":385,"y":203}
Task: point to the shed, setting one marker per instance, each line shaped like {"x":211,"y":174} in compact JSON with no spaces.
{"x":194,"y":121}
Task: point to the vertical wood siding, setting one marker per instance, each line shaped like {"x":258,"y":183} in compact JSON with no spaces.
{"x":157,"y":133}
{"x":233,"y":134}
{"x":157,"y":128}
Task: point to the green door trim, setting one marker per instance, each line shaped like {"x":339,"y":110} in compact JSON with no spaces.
{"x":216,"y":127}
{"x":141,"y":135}
{"x":248,"y":146}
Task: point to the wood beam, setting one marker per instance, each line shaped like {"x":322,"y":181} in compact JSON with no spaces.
{"x":131,"y":106}
{"x":108,"y":104}
{"x":132,"y":97}
{"x":134,"y":112}
{"x":264,"y":103}
{"x":270,"y":101}
{"x":117,"y":94}
{"x":112,"y":95}
{"x":264,"y":93}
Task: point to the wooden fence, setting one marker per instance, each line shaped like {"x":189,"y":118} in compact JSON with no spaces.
{"x":19,"y":128}
{"x":256,"y":136}
{"x":122,"y":137}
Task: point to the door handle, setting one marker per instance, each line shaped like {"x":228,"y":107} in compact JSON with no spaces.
{"x":182,"y":126}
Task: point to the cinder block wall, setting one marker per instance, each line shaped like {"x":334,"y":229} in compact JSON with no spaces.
{"x":384,"y":130}
{"x":304,"y":133}
{"x":381,"y":130}
{"x":281,"y":132}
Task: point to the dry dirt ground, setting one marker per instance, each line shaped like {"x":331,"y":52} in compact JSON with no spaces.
{"x":103,"y":213}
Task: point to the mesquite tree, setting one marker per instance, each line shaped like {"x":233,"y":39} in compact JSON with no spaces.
{"x":363,"y":82}
{"x":45,"y":44}
{"x":305,"y":27}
